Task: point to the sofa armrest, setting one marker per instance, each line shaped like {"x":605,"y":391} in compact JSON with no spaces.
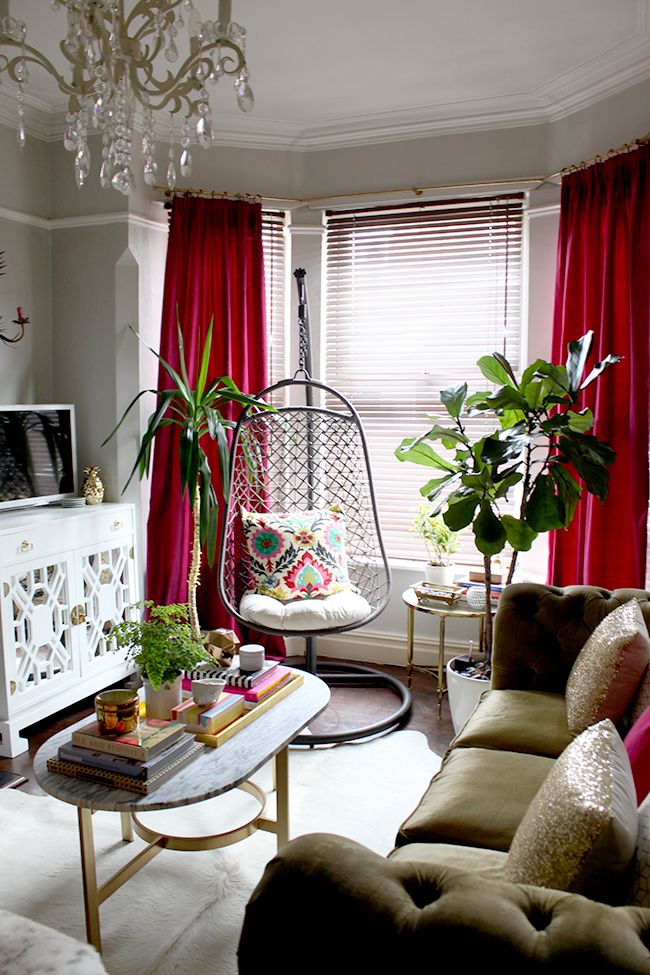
{"x":540,"y":630}
{"x":352,"y":910}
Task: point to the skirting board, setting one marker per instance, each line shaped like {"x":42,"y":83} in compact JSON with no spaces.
{"x":379,"y":648}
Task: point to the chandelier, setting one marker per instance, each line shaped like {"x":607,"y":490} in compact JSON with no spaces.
{"x":113,"y":56}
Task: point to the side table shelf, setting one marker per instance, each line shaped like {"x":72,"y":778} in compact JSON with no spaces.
{"x":67,"y":576}
{"x":443,"y":612}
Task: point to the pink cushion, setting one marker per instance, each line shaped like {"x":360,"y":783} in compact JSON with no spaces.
{"x":609,"y":668}
{"x":637,"y":745}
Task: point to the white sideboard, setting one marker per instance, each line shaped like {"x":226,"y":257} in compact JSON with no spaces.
{"x":67,"y":576}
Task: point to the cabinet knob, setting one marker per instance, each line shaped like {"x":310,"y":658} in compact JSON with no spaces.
{"x":77,"y":615}
{"x":26,"y":546}
{"x":117,"y":525}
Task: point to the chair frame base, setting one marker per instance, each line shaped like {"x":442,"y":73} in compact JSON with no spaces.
{"x":341,"y":674}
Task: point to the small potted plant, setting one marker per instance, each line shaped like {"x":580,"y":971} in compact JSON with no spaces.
{"x":161,"y":647}
{"x":441,"y":543}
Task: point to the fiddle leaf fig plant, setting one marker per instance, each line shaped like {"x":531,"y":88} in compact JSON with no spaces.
{"x":541,"y":443}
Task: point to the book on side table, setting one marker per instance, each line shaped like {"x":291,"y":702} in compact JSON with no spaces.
{"x":118,"y":780}
{"x":147,"y":740}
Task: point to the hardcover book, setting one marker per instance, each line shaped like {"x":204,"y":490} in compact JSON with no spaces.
{"x":149,"y":738}
{"x":249,"y":716}
{"x":242,"y":678}
{"x":209,"y":722}
{"x":125,"y":766}
{"x":116,"y":780}
{"x":262,"y":687}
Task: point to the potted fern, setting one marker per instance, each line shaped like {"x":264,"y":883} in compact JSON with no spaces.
{"x":160,"y":647}
{"x":440,"y":542}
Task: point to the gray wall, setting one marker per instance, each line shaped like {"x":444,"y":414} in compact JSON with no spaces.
{"x":86,"y":264}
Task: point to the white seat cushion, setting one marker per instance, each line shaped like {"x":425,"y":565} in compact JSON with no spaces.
{"x":330,"y":612}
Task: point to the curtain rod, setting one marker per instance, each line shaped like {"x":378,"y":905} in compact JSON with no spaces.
{"x":417,"y":190}
{"x":610,"y":154}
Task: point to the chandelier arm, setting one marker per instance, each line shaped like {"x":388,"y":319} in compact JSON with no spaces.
{"x":31,"y":54}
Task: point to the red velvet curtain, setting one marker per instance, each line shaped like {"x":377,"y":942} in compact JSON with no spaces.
{"x":603,"y":283}
{"x":215,"y":269}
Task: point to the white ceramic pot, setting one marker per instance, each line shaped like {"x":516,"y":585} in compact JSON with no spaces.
{"x":464,"y":693}
{"x":441,"y":575}
{"x":159,"y":703}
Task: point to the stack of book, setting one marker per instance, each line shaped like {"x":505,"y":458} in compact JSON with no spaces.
{"x":255,"y":687}
{"x":138,"y":762}
{"x":207,"y":719}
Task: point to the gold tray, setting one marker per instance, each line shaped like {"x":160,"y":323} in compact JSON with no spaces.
{"x":442,"y":594}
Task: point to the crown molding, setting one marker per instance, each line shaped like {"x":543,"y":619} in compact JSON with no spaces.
{"x":622,"y":66}
{"x":87,"y":220}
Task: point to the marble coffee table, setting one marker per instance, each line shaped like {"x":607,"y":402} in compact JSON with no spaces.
{"x":217,"y":770}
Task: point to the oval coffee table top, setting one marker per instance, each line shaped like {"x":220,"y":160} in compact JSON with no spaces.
{"x":216,"y":771}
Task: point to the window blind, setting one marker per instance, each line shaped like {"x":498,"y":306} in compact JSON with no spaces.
{"x":273,"y":244}
{"x":414,"y":296}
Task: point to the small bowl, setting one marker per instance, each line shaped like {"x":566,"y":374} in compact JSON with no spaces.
{"x":207,"y":690}
{"x":117,"y":712}
{"x":251,"y":658}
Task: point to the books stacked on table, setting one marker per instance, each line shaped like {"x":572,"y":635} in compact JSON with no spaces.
{"x":207,"y":719}
{"x":261,"y":699}
{"x":138,"y":762}
{"x":256,"y":687}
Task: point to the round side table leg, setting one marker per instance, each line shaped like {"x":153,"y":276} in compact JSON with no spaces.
{"x":441,"y":665}
{"x":409,"y":646}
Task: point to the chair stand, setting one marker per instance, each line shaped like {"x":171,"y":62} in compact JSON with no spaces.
{"x":351,"y":675}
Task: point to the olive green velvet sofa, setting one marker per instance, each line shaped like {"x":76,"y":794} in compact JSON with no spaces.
{"x":329,"y":904}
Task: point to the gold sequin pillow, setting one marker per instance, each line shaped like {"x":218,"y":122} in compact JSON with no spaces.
{"x":580,"y":831}
{"x":608,"y":669}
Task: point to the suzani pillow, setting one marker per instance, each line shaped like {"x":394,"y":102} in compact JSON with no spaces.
{"x":298,"y":554}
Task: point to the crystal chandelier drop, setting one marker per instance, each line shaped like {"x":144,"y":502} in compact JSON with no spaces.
{"x":113,"y":54}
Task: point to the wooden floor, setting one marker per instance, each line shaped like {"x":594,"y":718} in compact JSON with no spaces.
{"x":349,"y":707}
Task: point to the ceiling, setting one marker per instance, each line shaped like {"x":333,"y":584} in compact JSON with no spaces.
{"x":347,"y":72}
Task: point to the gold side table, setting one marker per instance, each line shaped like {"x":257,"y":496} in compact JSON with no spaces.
{"x":442,"y":611}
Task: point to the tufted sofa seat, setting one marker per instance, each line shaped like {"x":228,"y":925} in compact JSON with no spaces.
{"x":441,"y":893}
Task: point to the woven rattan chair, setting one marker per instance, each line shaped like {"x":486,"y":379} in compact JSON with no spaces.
{"x":305,"y":458}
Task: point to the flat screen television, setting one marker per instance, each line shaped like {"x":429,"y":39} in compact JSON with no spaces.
{"x":37,"y":454}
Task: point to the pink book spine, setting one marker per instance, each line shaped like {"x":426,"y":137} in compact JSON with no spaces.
{"x":254,"y":693}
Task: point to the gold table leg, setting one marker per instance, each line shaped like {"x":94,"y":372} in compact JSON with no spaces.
{"x":441,"y":665}
{"x":409,"y":646}
{"x":89,"y":873}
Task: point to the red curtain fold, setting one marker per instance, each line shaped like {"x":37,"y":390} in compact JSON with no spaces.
{"x":214,"y":269}
{"x":603,"y":283}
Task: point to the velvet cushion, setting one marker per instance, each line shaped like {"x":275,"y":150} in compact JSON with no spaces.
{"x":581,"y":829}
{"x":518,"y":721}
{"x":488,"y":864}
{"x":298,"y":554}
{"x":478,"y":798}
{"x":608,"y":671}
{"x":640,"y":888}
{"x":637,"y":746}
{"x":328,"y":613}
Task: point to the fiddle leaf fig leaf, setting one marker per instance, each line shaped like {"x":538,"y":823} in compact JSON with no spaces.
{"x":453,"y":398}
{"x":582,"y":421}
{"x":490,"y":535}
{"x":432,"y":488}
{"x":519,"y":534}
{"x":494,"y":370}
{"x":577,"y":360}
{"x":421,"y":453}
{"x":599,"y":368}
{"x":543,"y":507}
{"x":460,"y":512}
{"x":568,"y":492}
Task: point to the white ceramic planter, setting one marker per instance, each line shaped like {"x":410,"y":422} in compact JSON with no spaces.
{"x":441,"y":575}
{"x":464,"y":693}
{"x":159,"y":703}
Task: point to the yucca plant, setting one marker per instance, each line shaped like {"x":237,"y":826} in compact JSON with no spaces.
{"x":197,"y":412}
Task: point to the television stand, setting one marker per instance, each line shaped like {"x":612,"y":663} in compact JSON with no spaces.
{"x":67,"y":576}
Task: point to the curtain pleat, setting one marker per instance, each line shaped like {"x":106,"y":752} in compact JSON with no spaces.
{"x":603,"y":283}
{"x":214,"y":270}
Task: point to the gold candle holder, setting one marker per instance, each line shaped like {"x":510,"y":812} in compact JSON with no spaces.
{"x":117,"y":712}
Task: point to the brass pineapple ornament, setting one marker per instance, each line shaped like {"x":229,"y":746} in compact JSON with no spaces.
{"x":92,"y":488}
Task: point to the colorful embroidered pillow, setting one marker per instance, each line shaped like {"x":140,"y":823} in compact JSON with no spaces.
{"x":298,"y":554}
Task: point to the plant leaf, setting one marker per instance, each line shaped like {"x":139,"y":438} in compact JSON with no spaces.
{"x":460,"y":511}
{"x":543,"y":510}
{"x":600,"y":367}
{"x":520,"y":535}
{"x":490,"y":535}
{"x":494,"y":371}
{"x":422,"y":453}
{"x":577,"y":359}
{"x":453,"y":398}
